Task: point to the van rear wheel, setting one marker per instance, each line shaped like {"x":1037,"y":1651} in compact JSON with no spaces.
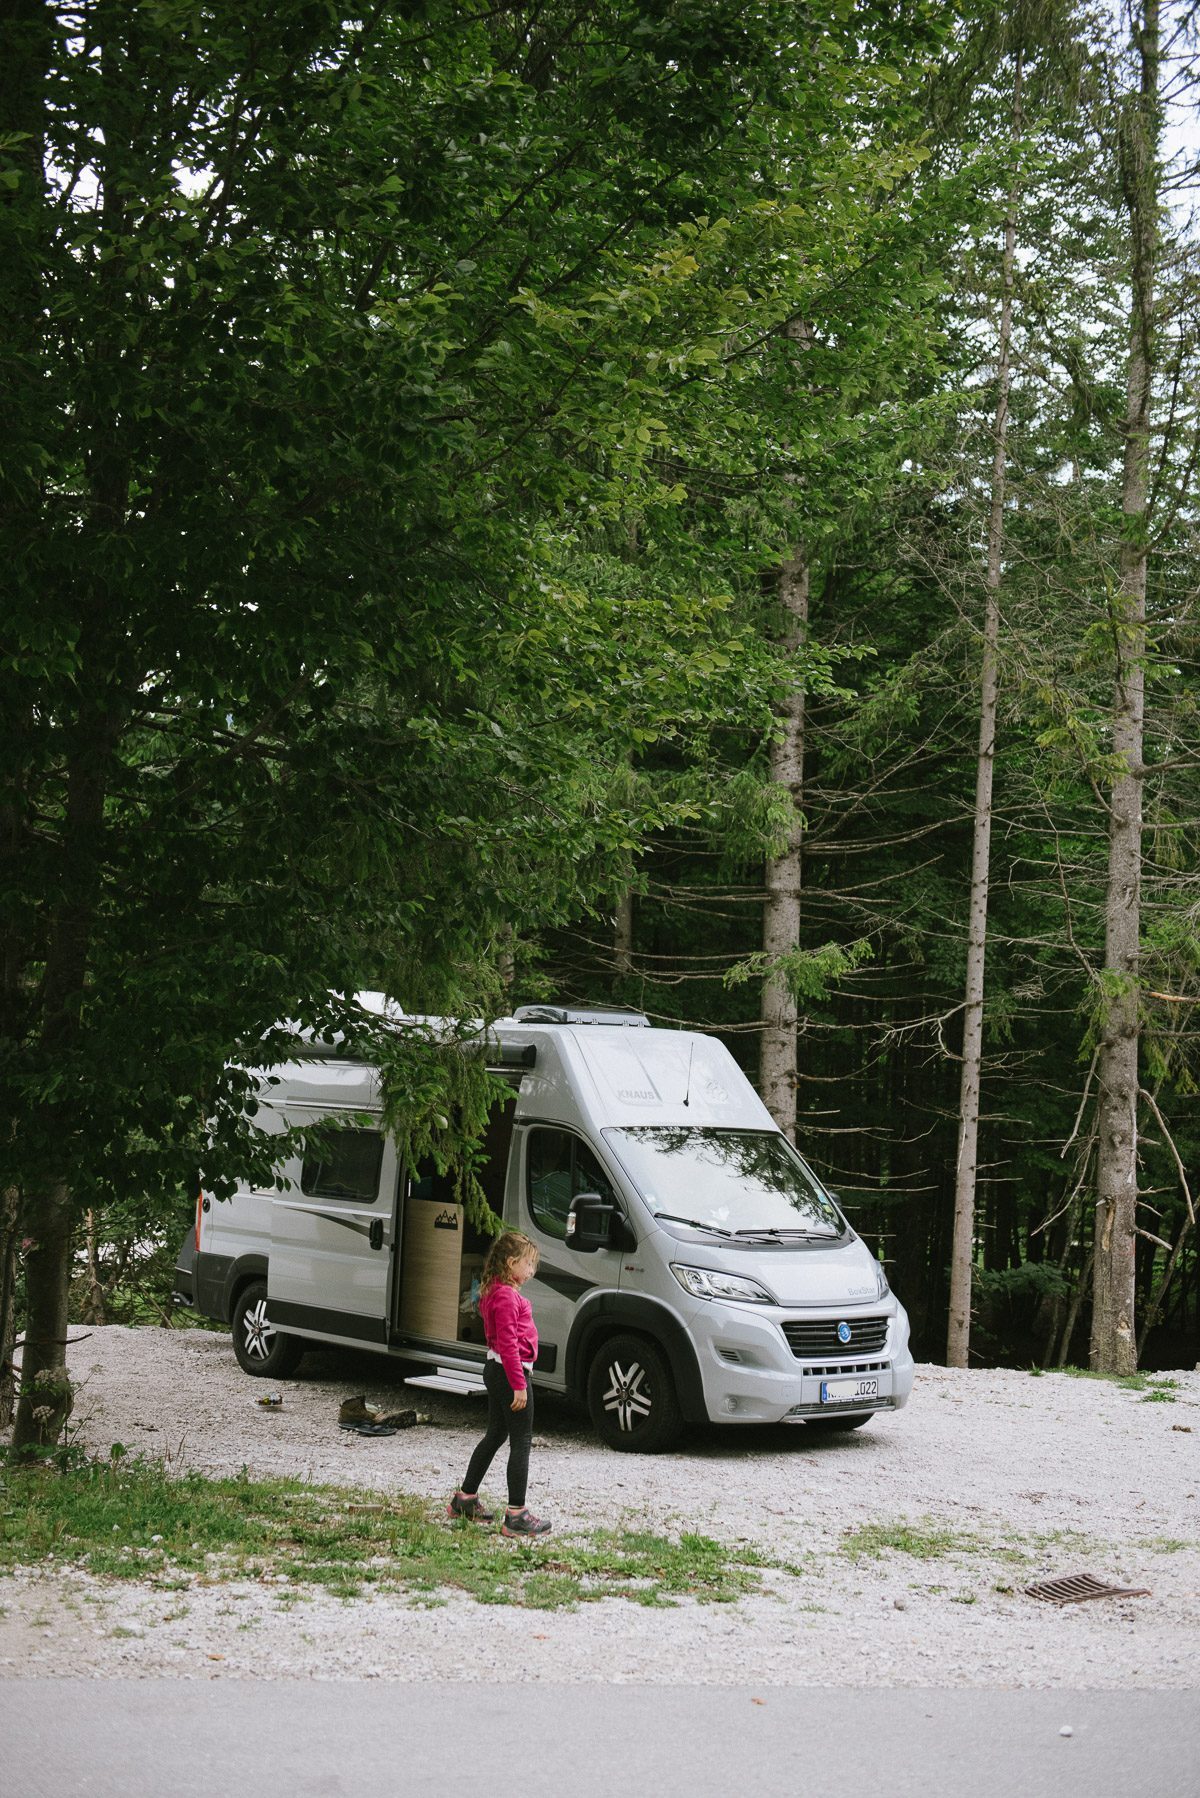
{"x":258,"y":1345}
{"x":631,"y":1396}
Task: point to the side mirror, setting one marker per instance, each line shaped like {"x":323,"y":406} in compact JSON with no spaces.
{"x":590,"y":1223}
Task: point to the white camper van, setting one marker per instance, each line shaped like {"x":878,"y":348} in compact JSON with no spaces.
{"x":692,"y":1268}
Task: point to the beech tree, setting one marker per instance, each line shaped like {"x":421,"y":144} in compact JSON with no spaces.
{"x":331,"y":337}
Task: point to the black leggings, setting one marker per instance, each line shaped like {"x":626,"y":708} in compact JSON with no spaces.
{"x":503,"y":1424}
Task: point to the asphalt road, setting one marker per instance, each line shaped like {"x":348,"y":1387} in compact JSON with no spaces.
{"x":74,"y":1738}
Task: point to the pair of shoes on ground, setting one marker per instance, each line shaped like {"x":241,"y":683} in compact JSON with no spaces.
{"x":369,"y":1420}
{"x":516,"y":1523}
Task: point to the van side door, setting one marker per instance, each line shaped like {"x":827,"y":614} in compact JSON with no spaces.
{"x":330,"y":1267}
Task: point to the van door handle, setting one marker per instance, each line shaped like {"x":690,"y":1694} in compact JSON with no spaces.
{"x":375,"y":1233}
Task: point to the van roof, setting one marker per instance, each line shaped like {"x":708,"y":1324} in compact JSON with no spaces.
{"x":588,"y":1014}
{"x":608,"y":1066}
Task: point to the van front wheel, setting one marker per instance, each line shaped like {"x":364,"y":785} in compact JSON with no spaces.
{"x":631,"y":1396}
{"x":259,"y":1347}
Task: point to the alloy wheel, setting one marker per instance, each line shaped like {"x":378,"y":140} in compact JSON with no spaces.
{"x":258,"y":1334}
{"x":629,"y":1394}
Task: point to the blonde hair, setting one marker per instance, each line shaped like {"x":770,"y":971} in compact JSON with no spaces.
{"x":502,"y":1257}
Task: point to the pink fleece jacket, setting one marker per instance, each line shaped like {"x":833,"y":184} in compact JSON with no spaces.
{"x":509,"y":1330}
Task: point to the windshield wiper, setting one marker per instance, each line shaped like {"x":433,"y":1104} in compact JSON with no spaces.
{"x":672,"y":1217}
{"x":802,"y":1235}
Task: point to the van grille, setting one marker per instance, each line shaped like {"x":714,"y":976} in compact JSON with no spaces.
{"x":867,"y":1337}
{"x":825,"y":1368}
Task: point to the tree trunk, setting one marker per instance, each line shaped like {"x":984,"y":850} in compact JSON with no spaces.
{"x":958,"y":1336}
{"x":623,"y":935}
{"x":29,"y":28}
{"x":781,"y":911}
{"x":9,"y":1237}
{"x":1113,"y":1341}
{"x":1077,"y":1297}
{"x":95,"y":1312}
{"x":44,"y":1400}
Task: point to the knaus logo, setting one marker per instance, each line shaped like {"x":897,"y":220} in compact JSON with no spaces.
{"x":446,"y":1220}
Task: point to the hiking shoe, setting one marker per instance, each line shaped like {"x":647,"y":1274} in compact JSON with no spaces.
{"x":524,"y":1523}
{"x":469,"y":1507}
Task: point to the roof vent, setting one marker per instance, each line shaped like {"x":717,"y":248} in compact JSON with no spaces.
{"x":590,"y":1014}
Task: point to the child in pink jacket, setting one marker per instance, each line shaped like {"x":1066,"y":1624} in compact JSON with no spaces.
{"x":512,"y":1345}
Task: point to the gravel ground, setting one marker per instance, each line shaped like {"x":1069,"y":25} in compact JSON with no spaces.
{"x":1037,"y":1476}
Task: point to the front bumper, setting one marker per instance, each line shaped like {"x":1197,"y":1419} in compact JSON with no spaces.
{"x":750,"y":1374}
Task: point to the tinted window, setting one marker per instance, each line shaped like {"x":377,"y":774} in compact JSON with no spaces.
{"x":560,"y":1168}
{"x":346,"y":1166}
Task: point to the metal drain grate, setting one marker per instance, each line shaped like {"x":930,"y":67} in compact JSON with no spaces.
{"x":1074,"y":1588}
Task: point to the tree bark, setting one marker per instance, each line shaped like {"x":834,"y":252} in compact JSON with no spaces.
{"x":623,"y":935}
{"x":781,"y":911}
{"x":44,"y":1400}
{"x":1113,"y":1338}
{"x":958,"y":1336}
{"x":9,"y":1237}
{"x":95,"y":1312}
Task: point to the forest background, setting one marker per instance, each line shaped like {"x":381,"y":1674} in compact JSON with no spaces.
{"x":687,"y":505}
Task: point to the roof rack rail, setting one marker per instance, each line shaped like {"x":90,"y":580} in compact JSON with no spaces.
{"x":587,"y":1014}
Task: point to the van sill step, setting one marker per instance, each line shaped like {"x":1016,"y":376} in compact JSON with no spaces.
{"x":446,"y":1382}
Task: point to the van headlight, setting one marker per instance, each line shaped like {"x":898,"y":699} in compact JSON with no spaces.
{"x":881,"y":1282}
{"x":706,"y":1283}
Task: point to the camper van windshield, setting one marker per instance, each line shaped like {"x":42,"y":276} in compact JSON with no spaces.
{"x":743,"y":1182}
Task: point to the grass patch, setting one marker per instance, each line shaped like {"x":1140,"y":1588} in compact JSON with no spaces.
{"x":127,"y":1520}
{"x":924,"y":1542}
{"x":1068,"y":1545}
{"x":1131,"y":1382}
{"x":1158,"y":1389}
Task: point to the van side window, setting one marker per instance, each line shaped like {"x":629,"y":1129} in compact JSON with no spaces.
{"x":560,"y":1168}
{"x":346,"y":1166}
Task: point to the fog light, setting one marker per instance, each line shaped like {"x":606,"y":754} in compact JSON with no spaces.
{"x":729,"y":1404}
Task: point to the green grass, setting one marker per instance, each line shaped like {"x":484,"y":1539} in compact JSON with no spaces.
{"x":126,"y":1520}
{"x":1158,"y":1389}
{"x":1076,"y":1542}
{"x":924,"y":1542}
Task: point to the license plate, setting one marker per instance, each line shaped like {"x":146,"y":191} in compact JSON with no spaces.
{"x":848,"y":1392}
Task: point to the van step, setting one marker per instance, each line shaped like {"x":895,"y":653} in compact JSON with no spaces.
{"x":446,"y":1382}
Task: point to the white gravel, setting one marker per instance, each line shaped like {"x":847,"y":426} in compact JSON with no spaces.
{"x":1037,"y":1476}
